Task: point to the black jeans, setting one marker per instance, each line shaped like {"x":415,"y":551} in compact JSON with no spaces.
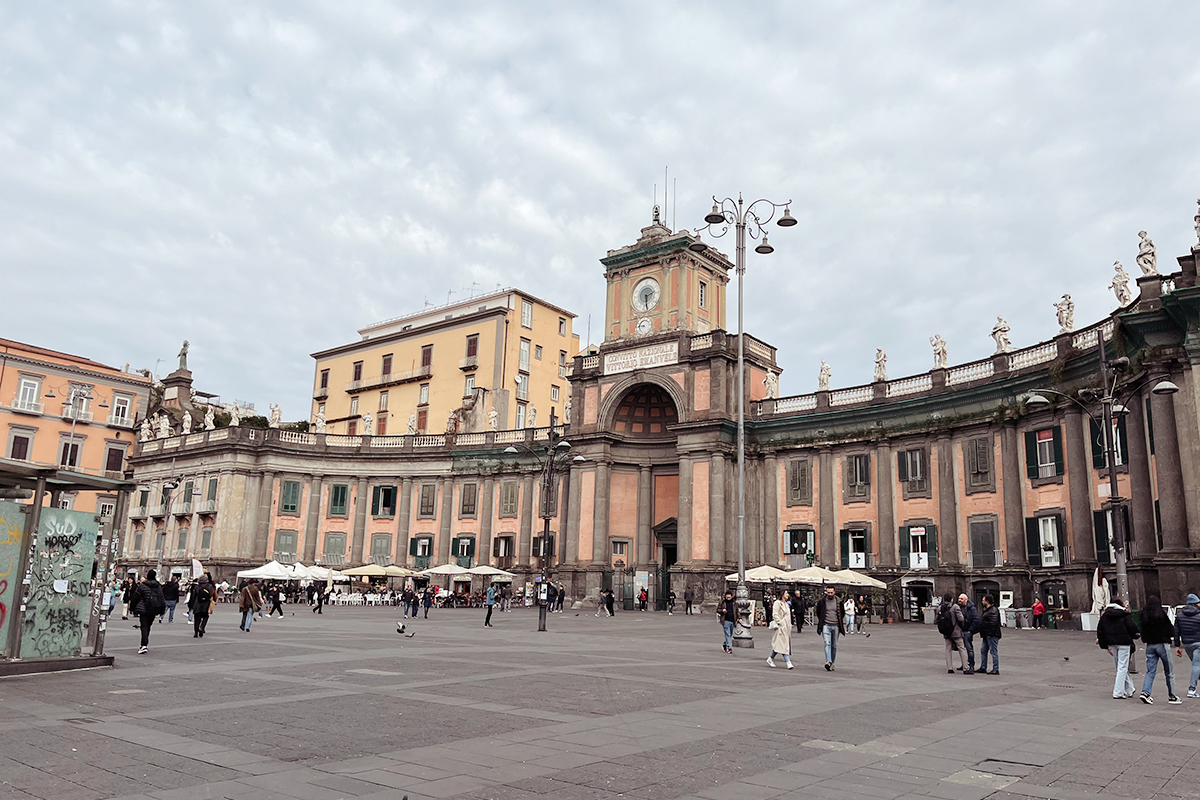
{"x":426,"y":612}
{"x":969,"y":644}
{"x":687,"y":606}
{"x":201,"y":622}
{"x":488,"y":621}
{"x":147,"y":621}
{"x":275,"y":606}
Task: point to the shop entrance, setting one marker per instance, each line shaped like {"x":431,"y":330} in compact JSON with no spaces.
{"x":917,"y":596}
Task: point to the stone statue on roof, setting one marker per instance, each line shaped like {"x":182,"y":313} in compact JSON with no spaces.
{"x":771,"y":385}
{"x":210,"y":418}
{"x":412,"y":423}
{"x":1000,"y":334}
{"x":941,"y":355}
{"x":1147,"y":258}
{"x":823,"y":377}
{"x":164,"y":426}
{"x":183,"y":351}
{"x":1065,"y":310}
{"x":187,"y":423}
{"x":493,"y":419}
{"x":531,"y":420}
{"x":1196,"y":220}
{"x":147,"y":433}
{"x":235,"y":414}
{"x":319,"y":423}
{"x":276,"y":416}
{"x":1120,"y":285}
{"x":880,"y":364}
{"x":367,"y":421}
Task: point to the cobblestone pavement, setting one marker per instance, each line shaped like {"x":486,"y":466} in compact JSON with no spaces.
{"x":641,"y":706}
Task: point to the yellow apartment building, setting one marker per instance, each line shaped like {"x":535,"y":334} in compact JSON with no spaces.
{"x":63,"y":410}
{"x":497,"y":361}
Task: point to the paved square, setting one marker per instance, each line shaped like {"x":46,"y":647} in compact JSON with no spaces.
{"x":642,"y":706}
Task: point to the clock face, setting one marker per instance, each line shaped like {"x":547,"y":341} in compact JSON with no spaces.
{"x":646,"y":294}
{"x":644,"y":326}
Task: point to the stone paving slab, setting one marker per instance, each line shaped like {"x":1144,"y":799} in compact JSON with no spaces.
{"x":643,"y":706}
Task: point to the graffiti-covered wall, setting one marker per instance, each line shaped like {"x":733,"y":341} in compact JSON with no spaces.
{"x":60,"y":580}
{"x":12,"y":523}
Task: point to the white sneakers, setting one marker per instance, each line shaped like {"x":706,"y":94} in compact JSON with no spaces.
{"x":790,"y":665}
{"x":770,"y":662}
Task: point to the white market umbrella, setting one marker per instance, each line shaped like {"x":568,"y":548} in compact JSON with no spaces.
{"x":764,"y":574}
{"x":813,"y":575}
{"x":490,"y":572}
{"x":271,"y":571}
{"x":445,"y":569}
{"x":395,"y":571}
{"x":298,"y":572}
{"x":366,"y":571}
{"x":325,"y":574}
{"x":852,"y":578}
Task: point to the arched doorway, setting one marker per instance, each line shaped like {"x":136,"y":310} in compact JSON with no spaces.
{"x":646,"y":411}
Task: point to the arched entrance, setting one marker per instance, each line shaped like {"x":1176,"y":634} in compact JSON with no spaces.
{"x":646,"y":411}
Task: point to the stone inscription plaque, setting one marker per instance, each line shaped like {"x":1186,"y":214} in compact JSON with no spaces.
{"x":653,"y":355}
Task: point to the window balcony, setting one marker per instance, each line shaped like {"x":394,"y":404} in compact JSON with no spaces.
{"x":321,"y":394}
{"x":137,"y":512}
{"x":463,"y":561}
{"x":27,"y":406}
{"x":207,"y":507}
{"x":120,"y":421}
{"x":285,"y":556}
{"x":562,"y":370}
{"x":391,"y":379}
{"x":158,"y":511}
{"x":505,"y":562}
{"x":470,"y":362}
{"x":181,"y":509}
{"x":71,"y":413}
{"x":420,"y":562}
{"x":331,"y":560}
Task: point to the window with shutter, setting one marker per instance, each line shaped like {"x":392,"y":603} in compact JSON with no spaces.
{"x":1101,"y":525}
{"x":905,"y":547}
{"x":857,"y":471}
{"x":509,"y":493}
{"x":983,"y":543}
{"x":467,"y":506}
{"x":427,"y":507}
{"x":911,"y":472}
{"x":289,"y":497}
{"x":1033,"y":542}
{"x":978,"y":452}
{"x":1099,"y":457}
{"x":919,"y":544}
{"x":844,"y":542}
{"x":799,"y":478}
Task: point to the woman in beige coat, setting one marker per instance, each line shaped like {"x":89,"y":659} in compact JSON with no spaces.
{"x":781,"y":641}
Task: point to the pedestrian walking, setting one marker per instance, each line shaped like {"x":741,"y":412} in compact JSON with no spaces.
{"x":728,"y":617}
{"x":950,"y":625}
{"x":277,"y":598}
{"x":969,"y":629}
{"x":562,"y":597}
{"x":781,"y":623}
{"x":829,"y":624}
{"x":670,"y":602}
{"x":863,"y":604}
{"x":1115,"y":633}
{"x":171,"y":598}
{"x":551,"y":597}
{"x":799,"y":609}
{"x":249,"y":602}
{"x":127,"y":590}
{"x":1039,"y":613}
{"x":643,"y":598}
{"x":427,"y":600}
{"x":319,"y":596}
{"x":610,"y":601}
{"x":689,"y":597}
{"x":1157,"y":633}
{"x":490,"y":602}
{"x":201,"y":600}
{"x":849,"y":607}
{"x":1187,"y":638}
{"x":989,"y":633}
{"x":147,"y":603}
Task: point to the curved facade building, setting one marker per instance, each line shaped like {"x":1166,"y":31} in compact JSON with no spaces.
{"x":944,"y":481}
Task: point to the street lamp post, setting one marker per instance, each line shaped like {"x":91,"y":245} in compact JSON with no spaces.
{"x":556,"y":451}
{"x":75,"y":393}
{"x":1111,"y":411}
{"x":743,"y":218}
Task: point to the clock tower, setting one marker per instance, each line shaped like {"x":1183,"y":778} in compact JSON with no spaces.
{"x":657,"y":285}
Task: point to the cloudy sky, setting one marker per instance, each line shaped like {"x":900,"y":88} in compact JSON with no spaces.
{"x":265,"y":179}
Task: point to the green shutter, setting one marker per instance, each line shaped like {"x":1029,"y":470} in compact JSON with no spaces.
{"x":931,"y":537}
{"x":471,"y":547}
{"x":1031,"y":458}
{"x":845,"y":539}
{"x":1060,"y":527}
{"x":1124,"y":443}
{"x":375,"y":501}
{"x":1033,"y":542}
{"x":1099,"y":460}
{"x":905,"y":546}
{"x":412,"y":547}
{"x":1058,"y":450}
{"x":902,"y":466}
{"x":1100,"y":526}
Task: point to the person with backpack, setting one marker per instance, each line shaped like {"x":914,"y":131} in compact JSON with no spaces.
{"x":171,"y":595}
{"x":1187,"y":638}
{"x":989,"y":632}
{"x":1157,"y":632}
{"x":249,"y":601}
{"x":1115,"y":633}
{"x":147,"y":602}
{"x":950,"y":625}
{"x":202,"y":598}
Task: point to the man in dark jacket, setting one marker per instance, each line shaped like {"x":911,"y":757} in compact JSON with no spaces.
{"x":689,"y":597}
{"x":970,"y":628}
{"x":829,"y":623}
{"x":1187,"y":637}
{"x":147,"y":603}
{"x":1115,"y":633}
{"x":171,"y":596}
{"x":200,"y":601}
{"x":728,"y":616}
{"x":989,"y":632}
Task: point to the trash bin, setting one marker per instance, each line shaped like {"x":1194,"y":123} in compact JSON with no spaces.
{"x":930,"y":614}
{"x":1010,"y":617}
{"x":1024,"y":617}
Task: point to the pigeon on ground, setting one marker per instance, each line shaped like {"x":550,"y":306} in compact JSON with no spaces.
{"x":400,"y":627}
{"x":410,"y":635}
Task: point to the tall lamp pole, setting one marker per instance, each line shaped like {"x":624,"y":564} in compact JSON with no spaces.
{"x":752,"y":218}
{"x":556,"y":449}
{"x":1111,"y":411}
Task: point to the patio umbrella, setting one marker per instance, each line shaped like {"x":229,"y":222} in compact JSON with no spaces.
{"x":445,"y":569}
{"x":764,"y":574}
{"x":367,"y":571}
{"x":812,"y":575}
{"x":326,"y":574}
{"x":490,"y":572}
{"x":852,"y":578}
{"x":395,"y":571}
{"x":298,"y":572}
{"x":271,"y":571}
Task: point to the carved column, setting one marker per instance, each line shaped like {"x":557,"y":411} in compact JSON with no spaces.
{"x":312,"y":523}
{"x":772,"y":532}
{"x":1171,"y":509}
{"x":885,"y":506}
{"x":718,"y":545}
{"x":947,"y":490}
{"x":262,"y":521}
{"x":645,"y":512}
{"x":600,"y":547}
{"x":361,"y":501}
{"x":829,"y":498}
{"x":1014,"y":487}
{"x":484,"y":554}
{"x":684,"y":539}
{"x":1141,"y":500}
{"x":404,"y":520}
{"x":571,"y":545}
{"x":1083,"y":536}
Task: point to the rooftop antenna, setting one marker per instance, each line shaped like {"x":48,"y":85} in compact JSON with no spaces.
{"x":427,"y":303}
{"x":665,"y":185}
{"x":589,"y":339}
{"x":448,"y":295}
{"x":674,"y":197}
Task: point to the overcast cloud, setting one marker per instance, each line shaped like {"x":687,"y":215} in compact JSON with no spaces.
{"x":264,"y":180}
